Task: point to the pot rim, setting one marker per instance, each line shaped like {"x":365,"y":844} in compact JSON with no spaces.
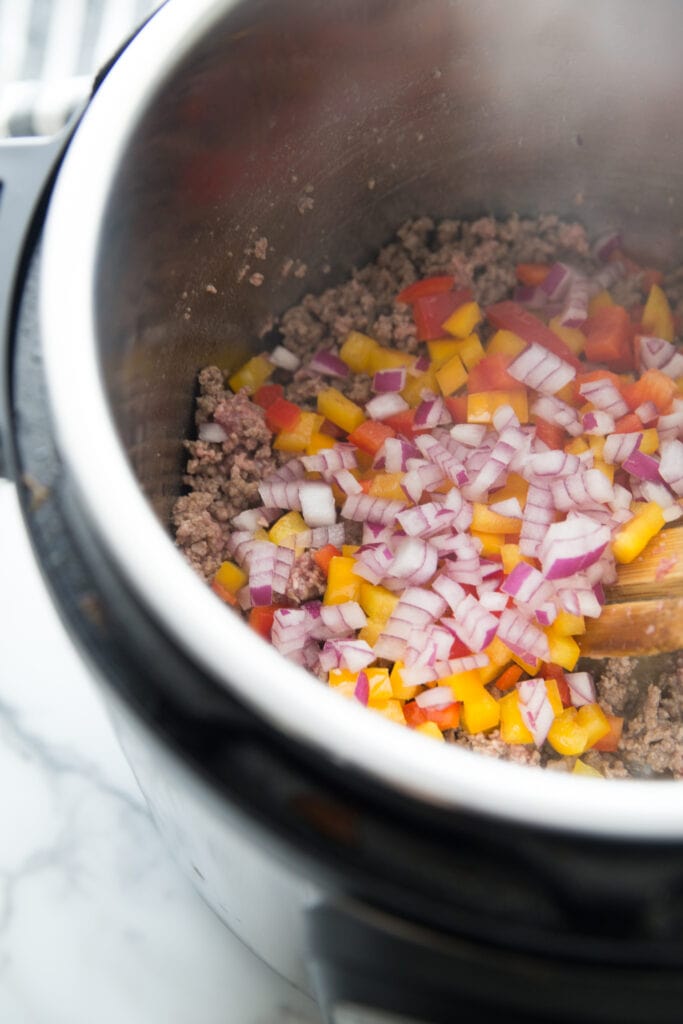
{"x":284,"y":694}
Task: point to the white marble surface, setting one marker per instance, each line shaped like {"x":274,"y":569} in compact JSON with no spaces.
{"x":97,"y":924}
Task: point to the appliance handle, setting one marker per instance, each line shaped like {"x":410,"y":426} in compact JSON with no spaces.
{"x":368,"y":967}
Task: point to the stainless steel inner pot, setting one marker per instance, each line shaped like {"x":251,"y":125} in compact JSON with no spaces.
{"x":211,"y":128}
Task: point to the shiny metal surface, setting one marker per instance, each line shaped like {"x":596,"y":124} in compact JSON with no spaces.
{"x":202,"y":139}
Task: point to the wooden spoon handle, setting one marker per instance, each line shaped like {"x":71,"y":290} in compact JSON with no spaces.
{"x":635,"y":628}
{"x":657,"y":572}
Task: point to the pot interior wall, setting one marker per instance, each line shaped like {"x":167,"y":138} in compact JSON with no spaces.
{"x":322,"y":124}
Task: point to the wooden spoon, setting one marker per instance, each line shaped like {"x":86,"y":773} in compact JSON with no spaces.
{"x":644,"y":610}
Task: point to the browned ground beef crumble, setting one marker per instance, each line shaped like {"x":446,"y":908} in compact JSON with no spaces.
{"x":223,"y":477}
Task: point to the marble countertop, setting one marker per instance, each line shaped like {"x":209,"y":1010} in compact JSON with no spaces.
{"x":96,"y":921}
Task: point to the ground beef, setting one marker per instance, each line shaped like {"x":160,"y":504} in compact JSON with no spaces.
{"x":306,"y":580}
{"x":223,"y":478}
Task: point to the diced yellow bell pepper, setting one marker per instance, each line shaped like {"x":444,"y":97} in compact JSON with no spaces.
{"x":481,"y":405}
{"x":485,"y":520}
{"x":585,"y":769}
{"x":356,"y":352}
{"x":319,"y":442}
{"x":340,"y":676}
{"x":346,"y":689}
{"x":387,"y":485}
{"x":426,"y":381}
{"x":606,"y":468}
{"x":481,"y":714}
{"x":512,"y":727}
{"x":564,"y":650}
{"x":339,"y":409}
{"x":442,"y":349}
{"x":261,"y":533}
{"x":376,"y":601}
{"x":649,"y":442}
{"x":554,"y":698}
{"x":252,"y":375}
{"x":466,"y":686}
{"x":599,"y":301}
{"x":451,"y":376}
{"x":512,"y":556}
{"x":571,"y":336}
{"x":388,"y":359}
{"x":230,"y":576}
{"x":430,"y":729}
{"x":499,"y":656}
{"x":529,"y":668}
{"x":568,"y":625}
{"x":657,"y":316}
{"x":566,"y":735}
{"x":400,"y":690}
{"x":470,"y":350}
{"x":506,"y":343}
{"x":286,"y":529}
{"x":515,"y":487}
{"x":342,"y":582}
{"x":634,"y":536}
{"x":349,"y":550}
{"x":577,"y":446}
{"x":393,"y":711}
{"x":594,"y":720}
{"x":491,"y":543}
{"x":371,"y":631}
{"x":596,"y":442}
{"x":379,"y":686}
{"x":463,"y":321}
{"x":298,"y":439}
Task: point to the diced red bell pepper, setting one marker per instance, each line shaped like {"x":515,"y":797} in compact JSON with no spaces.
{"x":457,"y":407}
{"x":550,"y":433}
{"x":402,"y":422}
{"x":458,"y":648}
{"x":223,"y":593}
{"x":549,"y":670}
{"x":532,"y":274}
{"x":490,"y":374}
{"x":267,"y":394}
{"x":609,"y":335}
{"x":446,"y":718}
{"x":282,"y":415}
{"x":509,"y":678}
{"x":323,"y":556}
{"x":427,"y":286}
{"x":261,"y":619}
{"x":653,"y":386}
{"x":628,"y":424}
{"x":414,"y":714}
{"x":431,"y":312}
{"x":610,"y":742}
{"x":510,"y":316}
{"x":371,"y":435}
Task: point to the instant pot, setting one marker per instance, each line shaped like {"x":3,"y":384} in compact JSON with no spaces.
{"x":398,"y":879}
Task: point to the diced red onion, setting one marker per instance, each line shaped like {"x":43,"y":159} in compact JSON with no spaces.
{"x":396,"y":454}
{"x":546,"y":614}
{"x":522,"y":637}
{"x":551,"y":464}
{"x":291,"y":627}
{"x":282,"y":357}
{"x":647,"y":413}
{"x":526,"y":585}
{"x":254,"y":518}
{"x":618,"y":447}
{"x":437,"y":697}
{"x":571,"y":546}
{"x":364,"y":508}
{"x":352,"y":654}
{"x":415,"y":601}
{"x":389,"y":380}
{"x":293,"y":469}
{"x":429,"y":412}
{"x":606,"y":244}
{"x":212,"y":432}
{"x":555,"y":410}
{"x":557,"y":281}
{"x":475,"y":626}
{"x":581,"y":688}
{"x":643,"y":466}
{"x":659,"y":354}
{"x":281,"y":494}
{"x":586,"y":488}
{"x":438,"y":454}
{"x":423,"y":477}
{"x":535,"y":709}
{"x":578,"y":600}
{"x":604,"y":394}
{"x":670,"y":426}
{"x":414,"y":560}
{"x":492,"y":600}
{"x":597,"y":422}
{"x":373,"y":561}
{"x":671,"y":465}
{"x":450,"y":590}
{"x":317,"y":504}
{"x":510,"y":508}
{"x":420,"y":366}
{"x":344,"y":617}
{"x":541,"y":369}
{"x":347,"y":482}
{"x":575,"y":310}
{"x":327,"y":363}
{"x":468,"y":662}
{"x":239,"y":546}
{"x":382,"y":406}
{"x":362,"y":688}
{"x":469,"y":434}
{"x":329,"y":460}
